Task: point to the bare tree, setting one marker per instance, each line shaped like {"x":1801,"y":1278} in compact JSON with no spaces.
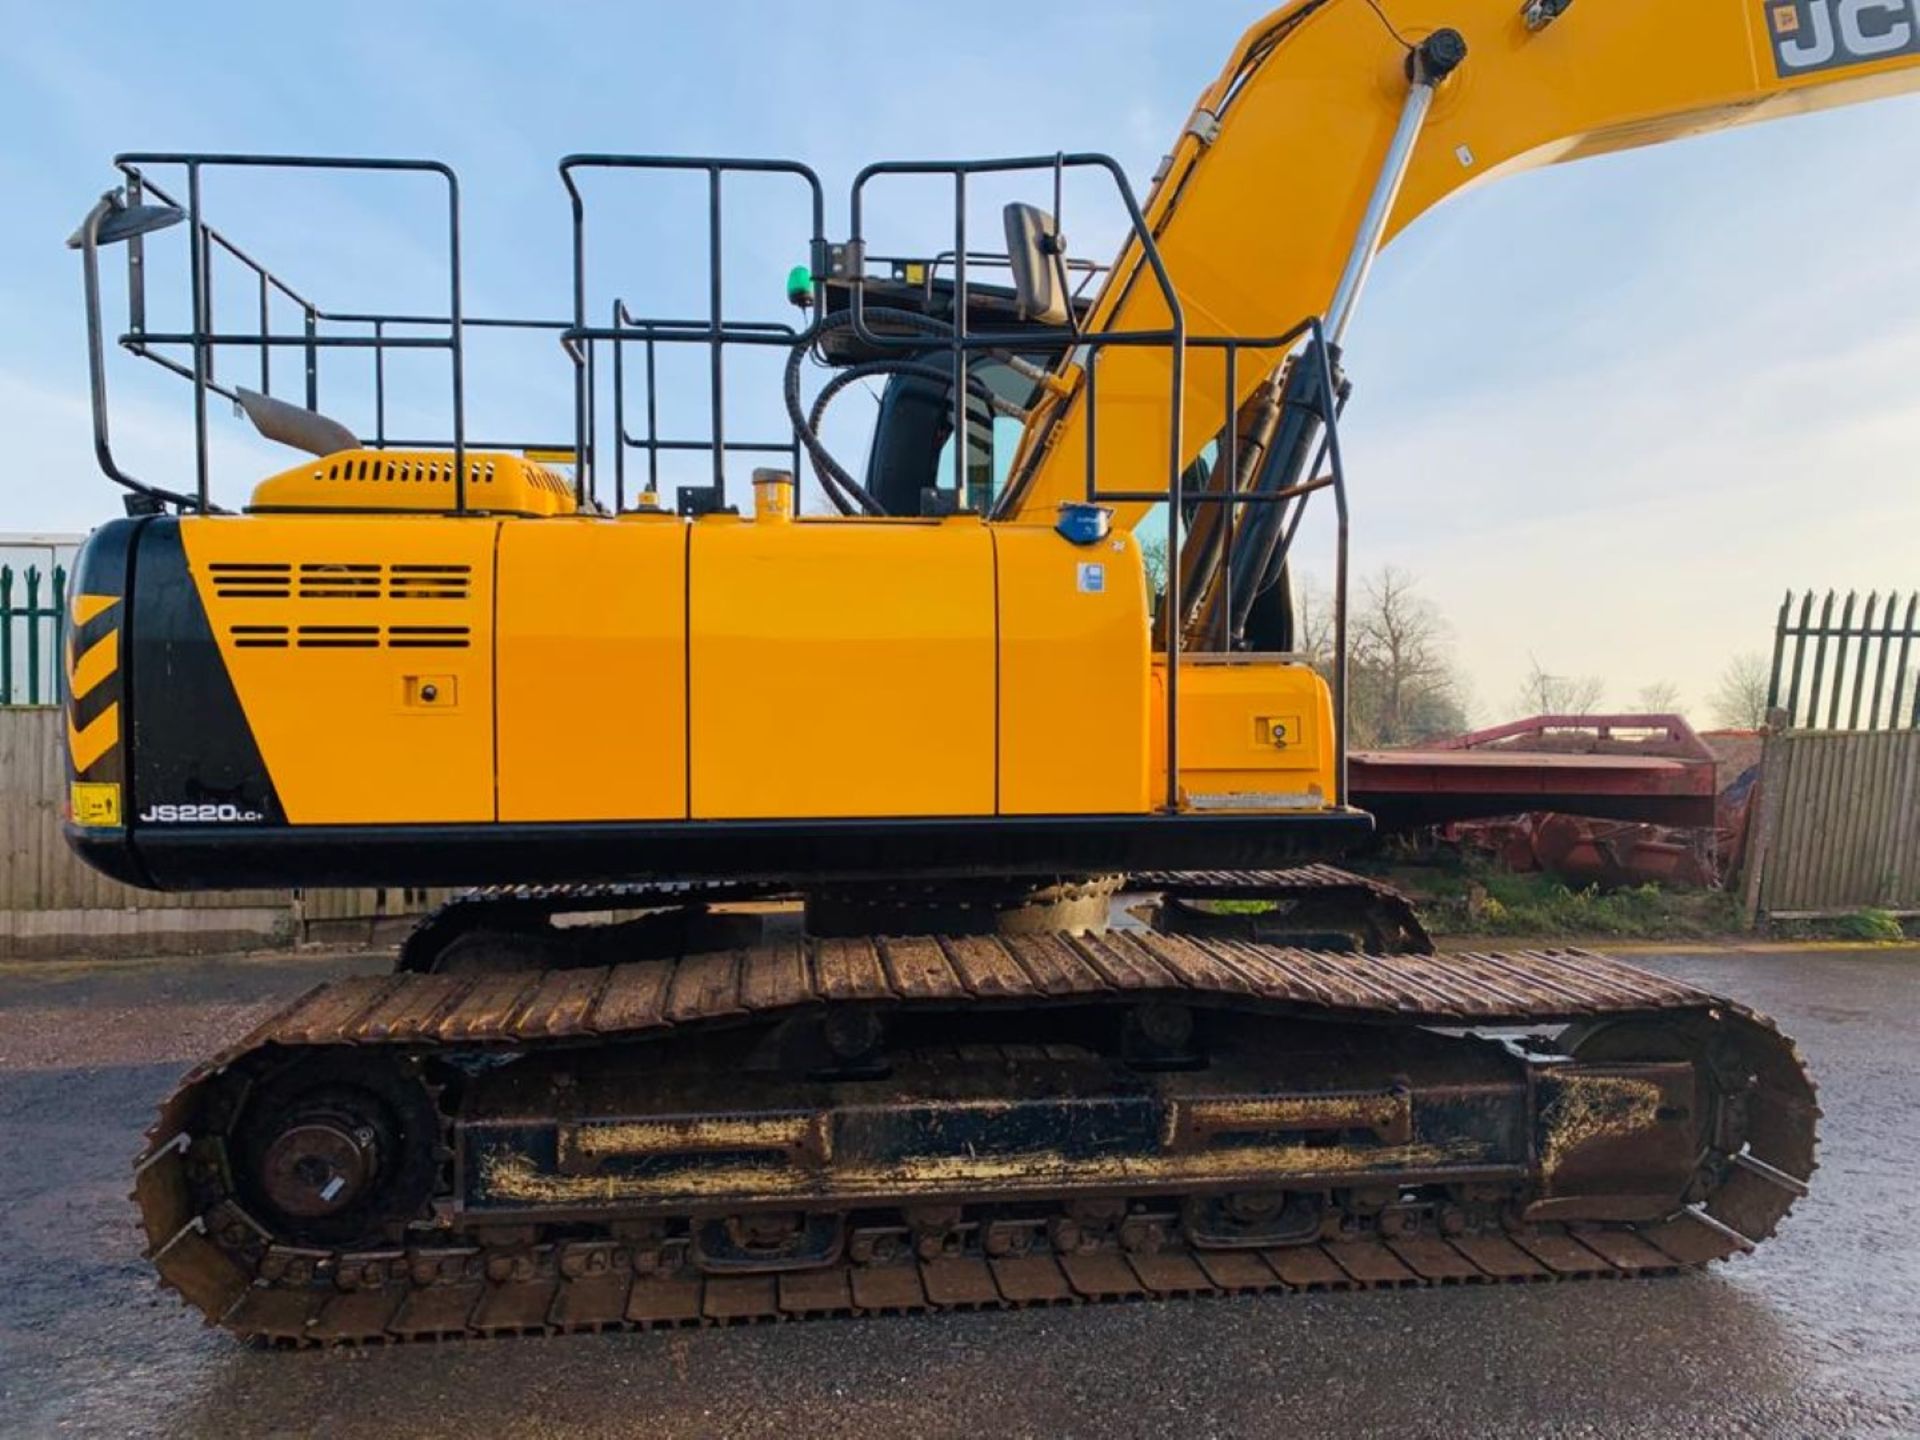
{"x":1313,"y":621}
{"x":1662,"y":697}
{"x":1740,"y":701}
{"x":1542,"y":693}
{"x":1404,"y":685}
{"x":1153,"y":559}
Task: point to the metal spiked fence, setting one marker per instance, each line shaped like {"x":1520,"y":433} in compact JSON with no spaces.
{"x":33,"y":625}
{"x":1851,"y":671}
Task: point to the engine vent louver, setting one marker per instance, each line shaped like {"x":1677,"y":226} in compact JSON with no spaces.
{"x":439,"y":470}
{"x":338,"y":637}
{"x":428,"y":582}
{"x":259,"y":637}
{"x":351,"y":637}
{"x":339,"y":580}
{"x":329,"y":580}
{"x":407,"y":470}
{"x":427,"y":637}
{"x":235,"y":580}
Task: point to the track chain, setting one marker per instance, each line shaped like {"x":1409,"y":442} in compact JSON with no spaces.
{"x":423,"y":1291}
{"x":1385,"y":916}
{"x":524,"y":905}
{"x":519,"y":906}
{"x":604,"y":1293}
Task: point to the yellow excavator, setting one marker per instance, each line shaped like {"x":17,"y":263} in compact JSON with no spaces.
{"x":798,"y":988}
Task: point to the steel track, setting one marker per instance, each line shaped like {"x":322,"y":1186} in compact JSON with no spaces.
{"x":439,"y":1284}
{"x":388,"y":1302}
{"x":532,"y":906}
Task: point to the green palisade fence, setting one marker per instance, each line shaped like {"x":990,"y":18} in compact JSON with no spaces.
{"x":33,"y":626}
{"x":1855,"y":670}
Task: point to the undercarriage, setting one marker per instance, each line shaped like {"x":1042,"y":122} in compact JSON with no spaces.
{"x":539,"y":1135}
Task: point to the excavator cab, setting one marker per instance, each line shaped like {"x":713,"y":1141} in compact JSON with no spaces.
{"x":909,"y":465}
{"x":909,"y":458}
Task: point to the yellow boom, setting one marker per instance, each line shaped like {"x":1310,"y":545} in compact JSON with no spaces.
{"x":1259,"y":209}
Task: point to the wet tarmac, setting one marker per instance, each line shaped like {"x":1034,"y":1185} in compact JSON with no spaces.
{"x":1816,"y":1334}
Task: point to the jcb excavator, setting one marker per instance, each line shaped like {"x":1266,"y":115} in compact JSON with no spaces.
{"x":796,"y":991}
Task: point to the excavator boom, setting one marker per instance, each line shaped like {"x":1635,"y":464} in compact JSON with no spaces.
{"x":1259,"y":211}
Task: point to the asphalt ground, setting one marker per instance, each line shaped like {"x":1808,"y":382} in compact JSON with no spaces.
{"x":1816,"y":1334}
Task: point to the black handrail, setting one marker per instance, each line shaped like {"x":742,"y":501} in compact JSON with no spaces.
{"x":204,"y":342}
{"x":1087,"y":346}
{"x":716,"y":334}
{"x":134,"y":164}
{"x":650,"y":333}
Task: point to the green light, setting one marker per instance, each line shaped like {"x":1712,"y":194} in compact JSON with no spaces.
{"x":800,"y":286}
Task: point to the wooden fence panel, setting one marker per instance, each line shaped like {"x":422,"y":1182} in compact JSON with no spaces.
{"x":367,"y":904}
{"x":1841,"y":829}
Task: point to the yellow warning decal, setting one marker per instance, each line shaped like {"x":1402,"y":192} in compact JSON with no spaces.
{"x":86,"y":744}
{"x":550,"y":457}
{"x":85,"y":607}
{"x":95,"y":664}
{"x":96,"y":805}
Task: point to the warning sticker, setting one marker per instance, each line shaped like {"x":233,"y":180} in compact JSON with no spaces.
{"x":96,"y":805}
{"x":1093,"y":578}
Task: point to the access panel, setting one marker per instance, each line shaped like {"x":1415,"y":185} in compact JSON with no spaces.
{"x":841,"y":668}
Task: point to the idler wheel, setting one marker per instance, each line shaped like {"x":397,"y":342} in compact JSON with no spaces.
{"x":337,"y":1149}
{"x":319,"y":1166}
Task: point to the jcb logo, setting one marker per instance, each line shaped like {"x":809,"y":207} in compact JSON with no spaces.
{"x":1811,"y":35}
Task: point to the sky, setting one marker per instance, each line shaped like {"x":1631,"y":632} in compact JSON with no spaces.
{"x":1606,"y":413}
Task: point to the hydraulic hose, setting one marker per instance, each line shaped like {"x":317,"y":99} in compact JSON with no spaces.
{"x":847,"y":493}
{"x":925,"y":370}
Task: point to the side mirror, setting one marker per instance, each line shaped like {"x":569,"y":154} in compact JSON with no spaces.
{"x":110,"y":221}
{"x":120,"y":221}
{"x":1035,"y":251}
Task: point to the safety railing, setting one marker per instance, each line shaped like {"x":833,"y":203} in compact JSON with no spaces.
{"x":716,"y":334}
{"x":146,"y":205}
{"x":1307,"y":343}
{"x":650,"y":335}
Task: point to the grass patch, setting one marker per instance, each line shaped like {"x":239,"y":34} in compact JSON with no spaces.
{"x":1460,"y":895}
{"x":1869,"y":925}
{"x":1472,"y":898}
{"x":1542,"y":905}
